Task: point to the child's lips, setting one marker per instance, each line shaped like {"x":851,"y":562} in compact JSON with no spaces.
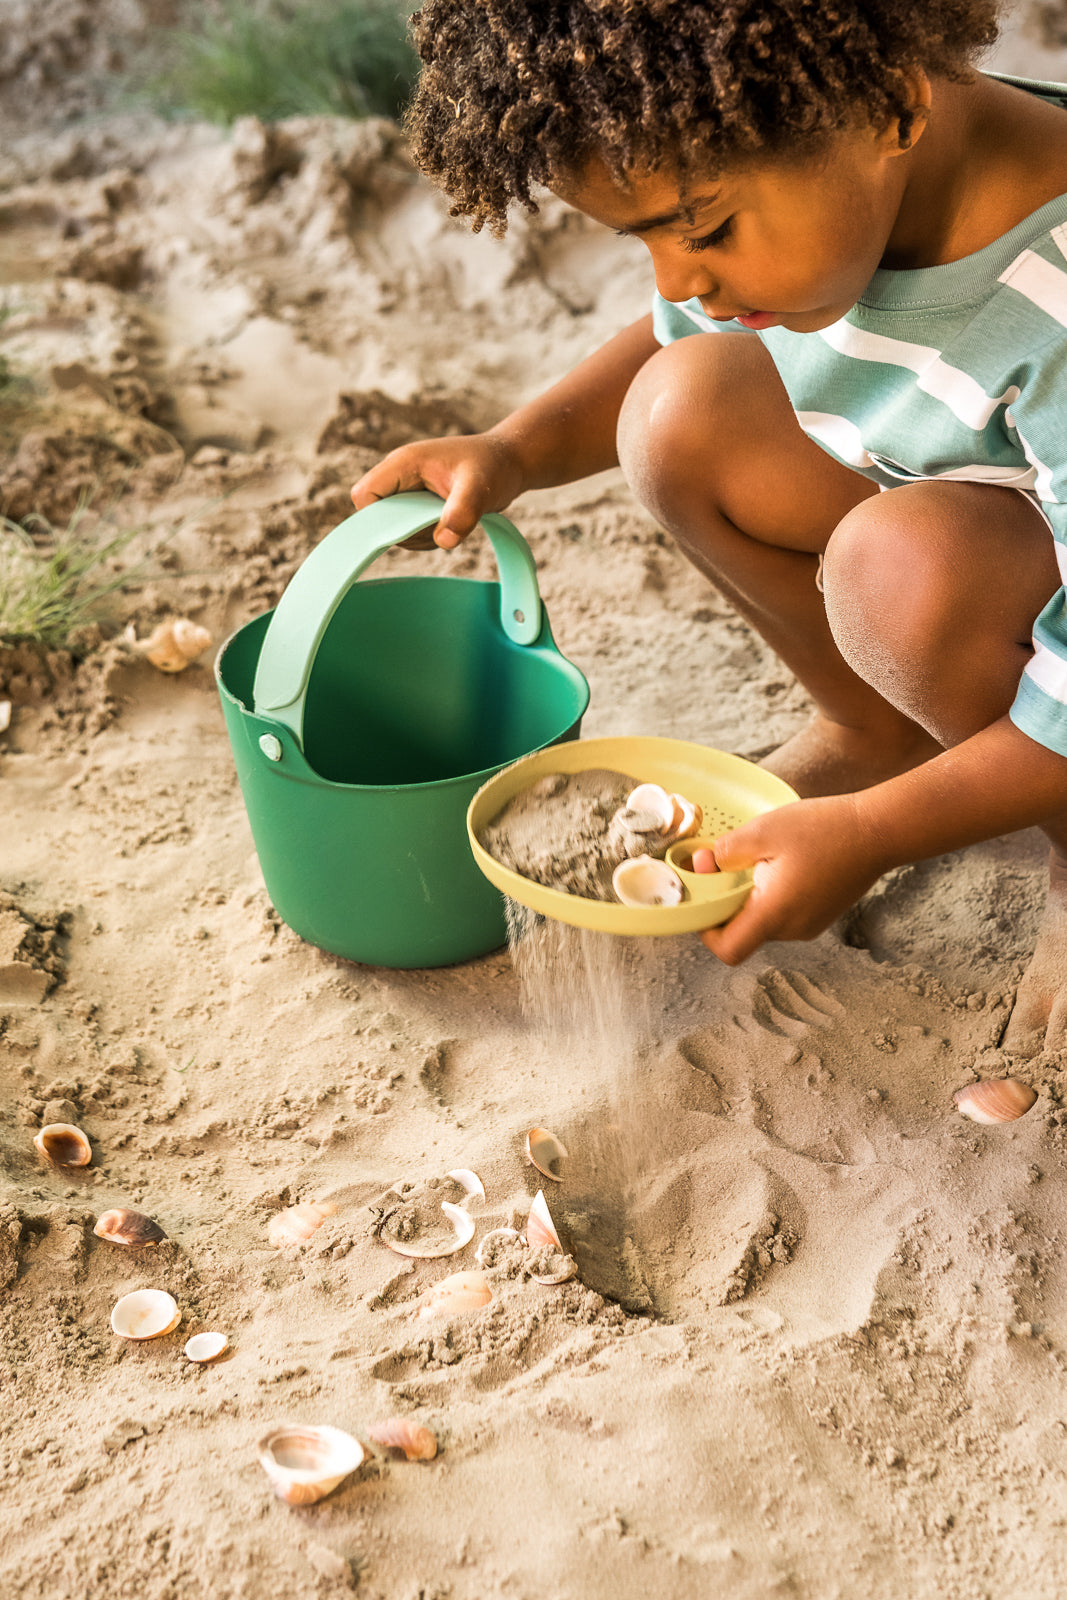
{"x":757,"y":319}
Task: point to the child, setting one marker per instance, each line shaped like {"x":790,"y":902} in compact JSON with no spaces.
{"x":867,"y":240}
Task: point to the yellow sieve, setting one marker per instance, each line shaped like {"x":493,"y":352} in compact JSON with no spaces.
{"x":728,"y":789}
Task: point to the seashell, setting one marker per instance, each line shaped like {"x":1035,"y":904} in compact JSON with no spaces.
{"x":469,"y":1181}
{"x":995,"y":1100}
{"x":462,"y":1222}
{"x":5,"y":715}
{"x":206,"y":1346}
{"x":305,"y":1463}
{"x":128,"y":1227}
{"x":545,"y":1151}
{"x":173,"y":645}
{"x":687,"y":819}
{"x":64,"y":1145}
{"x":145,"y":1314}
{"x":400,"y":1433}
{"x":567,"y":1268}
{"x":656,"y":803}
{"x":456,"y":1295}
{"x":494,"y":1233}
{"x":296,"y":1224}
{"x":643,"y":881}
{"x":540,"y":1229}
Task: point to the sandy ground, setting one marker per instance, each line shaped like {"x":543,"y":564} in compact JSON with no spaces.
{"x":816,"y":1346}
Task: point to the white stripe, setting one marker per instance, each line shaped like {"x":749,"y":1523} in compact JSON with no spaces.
{"x":965,"y":398}
{"x":1043,"y":480}
{"x":838,"y":434}
{"x":695,"y":316}
{"x":976,"y":472}
{"x":1061,"y":560}
{"x":1048,"y":671}
{"x":1044,"y":285}
{"x":1058,"y":236}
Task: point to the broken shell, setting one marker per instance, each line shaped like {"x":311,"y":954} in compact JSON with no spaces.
{"x":128,"y":1227}
{"x":540,"y":1229}
{"x":495,"y":1233}
{"x":296,"y":1224}
{"x":468,"y":1181}
{"x":995,"y":1100}
{"x":462,"y":1222}
{"x":650,"y":798}
{"x":64,"y":1145}
{"x":455,"y":1295}
{"x":400,"y":1433}
{"x":173,"y":645}
{"x":545,"y":1152}
{"x":145,"y":1314}
{"x":643,"y":881}
{"x":206,"y":1346}
{"x":304,"y":1463}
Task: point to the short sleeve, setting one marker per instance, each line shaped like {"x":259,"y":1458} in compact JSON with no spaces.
{"x":672,"y":321}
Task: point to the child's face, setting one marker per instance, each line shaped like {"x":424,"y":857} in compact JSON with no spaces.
{"x":778,"y":244}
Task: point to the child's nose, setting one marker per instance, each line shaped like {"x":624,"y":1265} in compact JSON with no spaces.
{"x":680,"y":276}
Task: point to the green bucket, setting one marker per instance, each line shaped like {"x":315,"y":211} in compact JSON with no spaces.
{"x":363,"y":718}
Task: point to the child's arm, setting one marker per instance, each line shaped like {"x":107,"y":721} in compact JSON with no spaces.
{"x":567,"y":433}
{"x":814,"y":859}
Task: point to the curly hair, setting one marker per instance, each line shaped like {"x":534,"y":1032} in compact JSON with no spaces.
{"x":516,"y":93}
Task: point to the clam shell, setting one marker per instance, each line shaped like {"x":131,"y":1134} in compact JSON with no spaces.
{"x":545,"y":1151}
{"x":206,"y":1346}
{"x":567,"y":1268}
{"x":128,"y":1227}
{"x":64,"y":1145}
{"x":995,"y":1100}
{"x":400,"y":1433}
{"x":494,"y":1233}
{"x":172,"y":645}
{"x":540,"y":1229}
{"x":687,"y":820}
{"x":468,"y":1181}
{"x":296,"y":1224}
{"x":643,"y":881}
{"x":463,"y":1224}
{"x":455,"y":1295}
{"x":656,"y":802}
{"x":145,"y":1314}
{"x":305,"y":1463}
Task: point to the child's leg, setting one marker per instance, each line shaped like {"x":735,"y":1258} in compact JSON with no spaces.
{"x":931,"y":591}
{"x":710,"y":445}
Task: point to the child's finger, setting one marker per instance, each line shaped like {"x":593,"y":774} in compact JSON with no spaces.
{"x":737,"y":939}
{"x":463,"y":510}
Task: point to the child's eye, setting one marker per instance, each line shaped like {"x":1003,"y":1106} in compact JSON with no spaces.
{"x":710,"y":240}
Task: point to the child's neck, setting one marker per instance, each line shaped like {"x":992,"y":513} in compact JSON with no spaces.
{"x":976,"y":171}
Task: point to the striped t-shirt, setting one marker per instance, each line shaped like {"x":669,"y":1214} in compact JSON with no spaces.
{"x":950,"y":372}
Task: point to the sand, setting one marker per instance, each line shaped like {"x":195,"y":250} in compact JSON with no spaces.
{"x":816,"y":1344}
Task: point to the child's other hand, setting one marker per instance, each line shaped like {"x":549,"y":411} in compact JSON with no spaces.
{"x":473,"y":475}
{"x":811,"y":860}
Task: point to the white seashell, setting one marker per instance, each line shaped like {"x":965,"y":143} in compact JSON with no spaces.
{"x":540,"y":1229}
{"x":643,"y":881}
{"x":64,"y":1145}
{"x":296,"y":1224}
{"x":128,"y":1227}
{"x":305,"y":1463}
{"x":206,"y":1346}
{"x":995,"y":1100}
{"x":5,"y":715}
{"x":495,"y":1233}
{"x":462,"y":1222}
{"x":468,"y":1181}
{"x":173,"y":645}
{"x":545,"y":1151}
{"x":650,"y":798}
{"x":567,"y":1269}
{"x":400,"y":1433}
{"x":145,"y":1314}
{"x":456,"y":1295}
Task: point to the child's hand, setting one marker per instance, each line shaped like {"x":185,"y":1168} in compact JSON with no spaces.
{"x":473,"y":475}
{"x":811,"y":860}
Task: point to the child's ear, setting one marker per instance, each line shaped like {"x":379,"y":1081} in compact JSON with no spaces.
{"x":904,"y":132}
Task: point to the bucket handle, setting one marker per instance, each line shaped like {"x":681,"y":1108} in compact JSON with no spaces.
{"x":318,"y":586}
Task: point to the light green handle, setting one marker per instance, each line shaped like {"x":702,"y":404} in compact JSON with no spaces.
{"x":317,"y":588}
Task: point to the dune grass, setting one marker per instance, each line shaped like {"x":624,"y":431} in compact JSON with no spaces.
{"x":56,"y":582}
{"x":270,"y":59}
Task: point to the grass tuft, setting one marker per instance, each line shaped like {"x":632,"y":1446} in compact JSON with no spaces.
{"x":272,"y":60}
{"x":56,"y":582}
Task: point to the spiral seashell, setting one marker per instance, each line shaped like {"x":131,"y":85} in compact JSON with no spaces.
{"x":145,"y":1314}
{"x":128,"y":1227}
{"x":64,"y":1145}
{"x":995,"y":1100}
{"x":400,"y":1433}
{"x":455,"y":1295}
{"x":305,"y":1463}
{"x":173,"y":645}
{"x":544,"y":1151}
{"x":643,"y":881}
{"x":296,"y":1224}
